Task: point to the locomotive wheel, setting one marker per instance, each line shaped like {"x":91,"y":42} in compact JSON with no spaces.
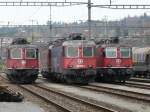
{"x":123,"y":81}
{"x":68,"y":81}
{"x":28,"y":80}
{"x":45,"y":74}
{"x":148,"y":75}
{"x":99,"y":79}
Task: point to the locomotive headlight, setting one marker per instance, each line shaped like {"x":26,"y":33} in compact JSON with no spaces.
{"x":23,"y":62}
{"x":14,"y":67}
{"x":70,"y":66}
{"x":109,"y":65}
{"x":90,"y":66}
{"x":33,"y":66}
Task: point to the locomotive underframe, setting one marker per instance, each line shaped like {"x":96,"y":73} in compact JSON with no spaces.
{"x":22,"y":76}
{"x":79,"y":76}
{"x":113,"y":74}
{"x":141,"y":71}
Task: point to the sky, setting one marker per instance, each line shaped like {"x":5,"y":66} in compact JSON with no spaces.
{"x":24,"y":15}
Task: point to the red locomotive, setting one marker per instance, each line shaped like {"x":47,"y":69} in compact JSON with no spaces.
{"x":22,"y":62}
{"x":72,"y":61}
{"x":114,"y":62}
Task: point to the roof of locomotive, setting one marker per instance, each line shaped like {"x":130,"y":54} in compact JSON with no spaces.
{"x":114,"y":45}
{"x":79,"y":43}
{"x":23,"y":46}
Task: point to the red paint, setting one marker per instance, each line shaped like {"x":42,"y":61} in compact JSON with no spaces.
{"x":78,"y":63}
{"x":117,"y":62}
{"x":22,"y":63}
{"x":17,"y":63}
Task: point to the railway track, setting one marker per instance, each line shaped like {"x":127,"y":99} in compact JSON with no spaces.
{"x":25,"y":87}
{"x":36,"y":92}
{"x":65,"y":102}
{"x":3,"y":78}
{"x":123,"y":93}
{"x":87,"y":106}
{"x":69,"y":103}
{"x":138,"y":85}
{"x":129,"y":84}
{"x":140,"y":80}
{"x":119,"y":92}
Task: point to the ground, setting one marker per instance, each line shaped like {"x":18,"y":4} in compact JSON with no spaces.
{"x":19,"y":107}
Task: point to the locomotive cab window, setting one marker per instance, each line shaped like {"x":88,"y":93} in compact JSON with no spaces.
{"x":16,"y":53}
{"x":94,"y":51}
{"x":30,"y":53}
{"x":125,"y":52}
{"x":87,"y":51}
{"x":110,"y":52}
{"x":72,"y":52}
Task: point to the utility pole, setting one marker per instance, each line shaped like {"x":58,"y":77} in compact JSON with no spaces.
{"x":33,"y":26}
{"x":89,"y":19}
{"x":50,"y":21}
{"x":105,"y":27}
{"x":110,"y":2}
{"x":1,"y":48}
{"x":32,"y":30}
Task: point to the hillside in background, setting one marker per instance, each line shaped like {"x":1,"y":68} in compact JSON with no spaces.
{"x":137,"y":26}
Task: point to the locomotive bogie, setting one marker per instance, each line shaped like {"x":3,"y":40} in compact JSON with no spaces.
{"x":114,"y":74}
{"x":80,"y":75}
{"x":46,"y":73}
{"x":77,"y":76}
{"x":22,"y":76}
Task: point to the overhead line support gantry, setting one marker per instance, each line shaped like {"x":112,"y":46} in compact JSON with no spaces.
{"x":122,"y":6}
{"x":41,"y":3}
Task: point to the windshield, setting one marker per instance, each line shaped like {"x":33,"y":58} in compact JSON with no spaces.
{"x":72,"y":52}
{"x":87,"y":51}
{"x":125,"y":52}
{"x":15,"y":53}
{"x":111,"y":52}
{"x":31,"y":53}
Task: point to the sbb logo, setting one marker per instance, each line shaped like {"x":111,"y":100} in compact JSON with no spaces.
{"x":118,"y":61}
{"x":80,"y":61}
